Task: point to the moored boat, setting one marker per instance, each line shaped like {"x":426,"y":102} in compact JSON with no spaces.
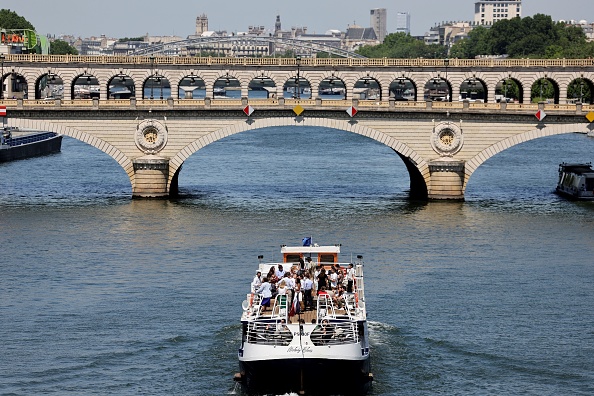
{"x":298,"y":344}
{"x":28,"y":144}
{"x":576,"y":181}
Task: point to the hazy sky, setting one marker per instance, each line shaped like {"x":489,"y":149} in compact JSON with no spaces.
{"x":132,"y":18}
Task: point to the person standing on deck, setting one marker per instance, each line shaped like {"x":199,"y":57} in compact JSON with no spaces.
{"x":266,"y":291}
{"x":311,"y":267}
{"x":307,"y":290}
{"x":280,"y":272}
{"x":257,"y":282}
{"x":350,"y":277}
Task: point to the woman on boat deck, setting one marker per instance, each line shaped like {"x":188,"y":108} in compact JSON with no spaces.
{"x":322,"y":280}
{"x":266,"y":291}
{"x":282,"y":289}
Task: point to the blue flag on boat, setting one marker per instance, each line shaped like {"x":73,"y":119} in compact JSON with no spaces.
{"x":307,"y":241}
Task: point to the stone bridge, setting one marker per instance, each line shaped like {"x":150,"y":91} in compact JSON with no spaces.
{"x":442,"y":142}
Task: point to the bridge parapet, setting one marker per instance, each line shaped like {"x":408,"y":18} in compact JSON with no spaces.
{"x":308,"y":104}
{"x":88,"y":61}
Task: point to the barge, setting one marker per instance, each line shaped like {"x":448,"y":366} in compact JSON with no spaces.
{"x":576,"y":181}
{"x":28,"y":144}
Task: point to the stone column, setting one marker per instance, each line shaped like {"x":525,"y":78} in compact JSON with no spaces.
{"x":491,"y":94}
{"x":563,"y":94}
{"x":527,"y":93}
{"x":386,"y":93}
{"x":151,"y":173}
{"x":447,"y":180}
{"x":174,"y":90}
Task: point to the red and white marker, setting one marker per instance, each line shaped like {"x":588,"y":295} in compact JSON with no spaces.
{"x":352,"y":111}
{"x":2,"y":111}
{"x":248,"y":110}
{"x":540,"y":114}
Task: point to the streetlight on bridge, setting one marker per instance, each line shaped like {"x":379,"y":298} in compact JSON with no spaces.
{"x":446,"y":62}
{"x":2,"y":78}
{"x":298,"y":62}
{"x":152,"y":74}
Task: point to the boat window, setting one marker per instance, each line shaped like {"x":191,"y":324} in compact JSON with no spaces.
{"x":292,"y":258}
{"x":327,"y":258}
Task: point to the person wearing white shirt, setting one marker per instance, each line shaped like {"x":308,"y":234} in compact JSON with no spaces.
{"x":257,"y":282}
{"x":266,"y":291}
{"x":307,"y":290}
{"x":280,"y":272}
{"x":333,"y":279}
{"x":350,"y":277}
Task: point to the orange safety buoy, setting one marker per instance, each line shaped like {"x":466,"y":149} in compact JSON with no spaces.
{"x":251,"y":299}
{"x":357,"y":299}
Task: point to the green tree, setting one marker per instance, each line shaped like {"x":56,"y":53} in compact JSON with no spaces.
{"x":477,"y":43}
{"x":61,"y":47}
{"x":12,"y":20}
{"x":401,"y":45}
{"x":531,"y":37}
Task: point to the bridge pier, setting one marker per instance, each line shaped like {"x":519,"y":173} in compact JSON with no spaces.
{"x":447,"y":180}
{"x":151,"y":174}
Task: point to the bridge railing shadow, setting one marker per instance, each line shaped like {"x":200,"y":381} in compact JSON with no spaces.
{"x":123,"y":104}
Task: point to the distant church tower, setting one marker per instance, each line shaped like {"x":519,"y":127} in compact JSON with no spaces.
{"x":201,"y":24}
{"x":277,"y":25}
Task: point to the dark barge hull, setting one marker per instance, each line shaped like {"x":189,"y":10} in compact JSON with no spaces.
{"x":306,"y":376}
{"x":30,"y":146}
{"x":574,"y":196}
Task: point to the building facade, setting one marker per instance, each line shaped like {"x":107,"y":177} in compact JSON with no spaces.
{"x":201,"y":24}
{"x":379,"y":23}
{"x":487,"y":12}
{"x":403,"y":22}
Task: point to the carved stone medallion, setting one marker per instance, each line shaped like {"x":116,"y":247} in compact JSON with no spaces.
{"x":150,"y":136}
{"x":446,"y":139}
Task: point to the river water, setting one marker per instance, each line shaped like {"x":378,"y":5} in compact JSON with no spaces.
{"x":101,"y":294}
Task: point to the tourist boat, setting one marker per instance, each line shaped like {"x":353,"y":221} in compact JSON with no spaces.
{"x":325,"y":349}
{"x":576,"y":181}
{"x":27,"y":144}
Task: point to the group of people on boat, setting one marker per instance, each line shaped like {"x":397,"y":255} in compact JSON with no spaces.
{"x":298,"y":283}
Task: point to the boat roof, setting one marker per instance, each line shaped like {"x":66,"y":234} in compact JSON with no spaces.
{"x":311,"y":249}
{"x":577,"y":168}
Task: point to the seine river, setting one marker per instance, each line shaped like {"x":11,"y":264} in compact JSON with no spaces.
{"x":101,"y":294}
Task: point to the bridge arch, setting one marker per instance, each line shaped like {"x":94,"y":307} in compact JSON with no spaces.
{"x":189,"y":84}
{"x":19,"y":82}
{"x":370,"y":86}
{"x":77,"y":134}
{"x":403,"y":87}
{"x":579,"y":90}
{"x":85,"y":86}
{"x":121,"y":86}
{"x":417,"y":167}
{"x":333,"y":85}
{"x":560,"y":129}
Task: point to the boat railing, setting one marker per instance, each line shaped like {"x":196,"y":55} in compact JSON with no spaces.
{"x":269,"y":333}
{"x":330,"y":332}
{"x":280,"y":309}
{"x":325,"y":307}
{"x":17,"y":141}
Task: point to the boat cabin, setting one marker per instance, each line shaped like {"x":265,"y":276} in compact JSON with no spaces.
{"x":325,"y":255}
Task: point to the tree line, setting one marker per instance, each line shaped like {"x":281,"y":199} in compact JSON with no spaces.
{"x":530,"y":37}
